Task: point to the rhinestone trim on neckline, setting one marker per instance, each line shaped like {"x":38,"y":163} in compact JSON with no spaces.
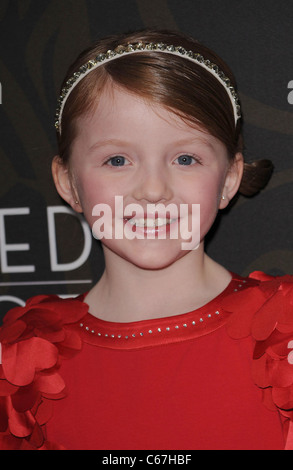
{"x":150,"y":331}
{"x":158,"y":331}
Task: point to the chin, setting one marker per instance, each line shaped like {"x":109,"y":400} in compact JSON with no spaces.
{"x":154,"y":264}
{"x":149,"y":256}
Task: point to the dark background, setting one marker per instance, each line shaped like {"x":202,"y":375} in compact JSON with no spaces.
{"x":39,"y":39}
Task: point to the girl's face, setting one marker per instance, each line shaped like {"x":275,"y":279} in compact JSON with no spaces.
{"x":147,"y":155}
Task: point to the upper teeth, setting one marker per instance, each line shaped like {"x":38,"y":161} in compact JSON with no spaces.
{"x":150,"y":222}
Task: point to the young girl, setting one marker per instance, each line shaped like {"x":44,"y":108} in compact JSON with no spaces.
{"x":169,"y":350}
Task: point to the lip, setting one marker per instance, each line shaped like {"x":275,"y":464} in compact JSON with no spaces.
{"x":150,"y":222}
{"x":152,"y":225}
{"x":152,"y":215}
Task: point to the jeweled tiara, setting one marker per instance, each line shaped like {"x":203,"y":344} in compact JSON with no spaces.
{"x":110,"y":55}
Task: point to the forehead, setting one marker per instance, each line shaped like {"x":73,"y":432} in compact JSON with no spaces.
{"x":119,"y":113}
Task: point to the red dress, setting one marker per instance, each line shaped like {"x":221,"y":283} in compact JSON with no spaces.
{"x":219,"y":377}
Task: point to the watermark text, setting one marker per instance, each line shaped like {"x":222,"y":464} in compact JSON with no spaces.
{"x":155,"y":221}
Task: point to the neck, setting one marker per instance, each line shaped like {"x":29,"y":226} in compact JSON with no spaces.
{"x":127,"y":292}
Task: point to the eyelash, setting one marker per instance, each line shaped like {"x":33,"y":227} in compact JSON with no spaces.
{"x":195,"y":159}
{"x":107,"y":162}
{"x":123,"y":159}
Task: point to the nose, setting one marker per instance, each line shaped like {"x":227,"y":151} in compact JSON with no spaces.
{"x":153,"y":185}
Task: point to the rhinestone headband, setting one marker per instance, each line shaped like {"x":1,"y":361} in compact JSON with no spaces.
{"x":110,"y":55}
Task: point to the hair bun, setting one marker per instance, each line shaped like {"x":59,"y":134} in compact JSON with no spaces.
{"x":256,"y":175}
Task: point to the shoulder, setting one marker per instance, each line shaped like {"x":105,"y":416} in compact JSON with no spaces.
{"x":45,"y":320}
{"x":34,"y":340}
{"x":264,"y":311}
{"x":265,"y":304}
{"x":44,"y":309}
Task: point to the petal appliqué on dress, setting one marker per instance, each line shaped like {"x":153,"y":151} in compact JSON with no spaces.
{"x":35,"y":339}
{"x":267,"y":313}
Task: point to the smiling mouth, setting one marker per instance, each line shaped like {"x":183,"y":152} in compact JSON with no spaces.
{"x":151,"y":222}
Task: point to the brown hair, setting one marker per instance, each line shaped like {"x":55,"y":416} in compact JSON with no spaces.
{"x":178,"y":84}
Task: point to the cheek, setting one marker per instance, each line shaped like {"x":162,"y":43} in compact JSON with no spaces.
{"x":207,"y":194}
{"x":92,"y":192}
{"x":204,"y":190}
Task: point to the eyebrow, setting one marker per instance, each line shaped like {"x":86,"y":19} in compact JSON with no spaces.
{"x":104,"y":143}
{"x":120,"y":142}
{"x":195,"y":140}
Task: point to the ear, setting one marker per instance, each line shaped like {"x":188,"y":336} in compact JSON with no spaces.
{"x":232,"y":181}
{"x":64,"y":184}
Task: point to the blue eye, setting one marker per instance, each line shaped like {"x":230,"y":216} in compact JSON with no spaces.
{"x":185,"y":160}
{"x":116,"y":161}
